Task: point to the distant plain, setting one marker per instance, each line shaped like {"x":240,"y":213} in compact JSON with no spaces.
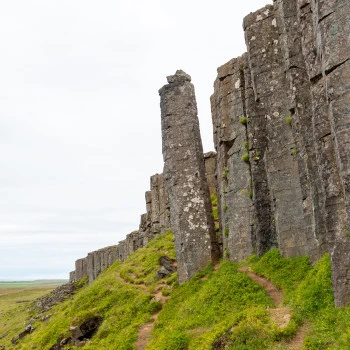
{"x":15,"y":301}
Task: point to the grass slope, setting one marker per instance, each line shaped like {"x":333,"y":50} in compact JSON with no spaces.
{"x":309,"y":292}
{"x":14,"y":305}
{"x":123,"y":304}
{"x":221,"y":309}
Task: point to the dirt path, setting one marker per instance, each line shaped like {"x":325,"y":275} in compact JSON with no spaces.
{"x":146,"y":329}
{"x":279,"y":315}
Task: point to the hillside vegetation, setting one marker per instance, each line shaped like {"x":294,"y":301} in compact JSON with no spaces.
{"x":220,"y":308}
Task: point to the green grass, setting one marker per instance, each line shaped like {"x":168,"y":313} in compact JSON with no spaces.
{"x":14,"y":303}
{"x":245,"y":157}
{"x":208,"y":307}
{"x":309,"y":293}
{"x":31,"y":284}
{"x":221,"y":309}
{"x":243,"y":120}
{"x":124,"y":305}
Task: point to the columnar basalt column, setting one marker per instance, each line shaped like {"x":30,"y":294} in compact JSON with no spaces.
{"x":184,"y":170}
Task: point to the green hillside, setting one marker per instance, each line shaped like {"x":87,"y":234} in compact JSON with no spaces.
{"x":220,"y":308}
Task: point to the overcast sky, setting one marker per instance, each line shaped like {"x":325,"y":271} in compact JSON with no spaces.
{"x":80,"y":120}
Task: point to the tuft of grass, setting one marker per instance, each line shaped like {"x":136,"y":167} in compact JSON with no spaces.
{"x":224,"y":207}
{"x":215,"y":214}
{"x":226,"y":231}
{"x":246,"y":145}
{"x":289,"y":120}
{"x":245,"y":157}
{"x":293,"y":151}
{"x":214,"y":200}
{"x":243,"y":120}
{"x":225,"y":173}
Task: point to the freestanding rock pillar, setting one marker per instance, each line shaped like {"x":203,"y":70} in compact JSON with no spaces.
{"x":184,"y":170}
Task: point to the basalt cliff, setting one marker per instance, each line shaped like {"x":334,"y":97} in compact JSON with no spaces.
{"x":281,"y":172}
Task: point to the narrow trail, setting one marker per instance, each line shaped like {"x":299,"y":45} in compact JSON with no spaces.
{"x":146,"y":329}
{"x":279,"y":315}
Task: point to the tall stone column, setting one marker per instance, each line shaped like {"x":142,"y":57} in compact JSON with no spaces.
{"x":184,"y":170}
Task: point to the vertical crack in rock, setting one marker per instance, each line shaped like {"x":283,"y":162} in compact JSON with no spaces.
{"x":184,"y":170}
{"x":234,"y":189}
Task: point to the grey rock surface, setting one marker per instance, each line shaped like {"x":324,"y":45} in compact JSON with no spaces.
{"x":184,"y":171}
{"x":293,"y":87}
{"x":235,"y":205}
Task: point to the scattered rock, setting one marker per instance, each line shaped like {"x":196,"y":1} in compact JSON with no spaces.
{"x":167,"y":267}
{"x":80,"y":334}
{"x":162,"y":273}
{"x":58,"y":295}
{"x":46,"y":317}
{"x":29,"y":329}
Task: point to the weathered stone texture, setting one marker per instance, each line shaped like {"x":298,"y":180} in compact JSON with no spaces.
{"x":281,"y":123}
{"x":270,"y":84}
{"x":234,"y":174}
{"x":293,"y":85}
{"x":72,"y":277}
{"x":99,"y":260}
{"x":210,"y":171}
{"x":184,"y":170}
{"x":80,"y":268}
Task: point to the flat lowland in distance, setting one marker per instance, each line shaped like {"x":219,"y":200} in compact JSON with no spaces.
{"x":30,"y":284}
{"x":15,"y":299}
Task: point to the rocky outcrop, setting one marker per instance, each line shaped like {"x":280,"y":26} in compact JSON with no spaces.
{"x":281,"y":131}
{"x":234,"y":187}
{"x":81,"y":268}
{"x":155,"y":221}
{"x":58,"y":295}
{"x":184,"y":171}
{"x":99,"y":260}
{"x":281,"y":122}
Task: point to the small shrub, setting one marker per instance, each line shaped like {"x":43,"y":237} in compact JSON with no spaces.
{"x":293,"y":151}
{"x":245,"y":157}
{"x":243,"y":120}
{"x":225,"y":173}
{"x":289,"y":120}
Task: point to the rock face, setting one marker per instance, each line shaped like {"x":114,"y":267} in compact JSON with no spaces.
{"x":290,"y":92}
{"x":281,"y":121}
{"x":184,"y":171}
{"x":155,"y":221}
